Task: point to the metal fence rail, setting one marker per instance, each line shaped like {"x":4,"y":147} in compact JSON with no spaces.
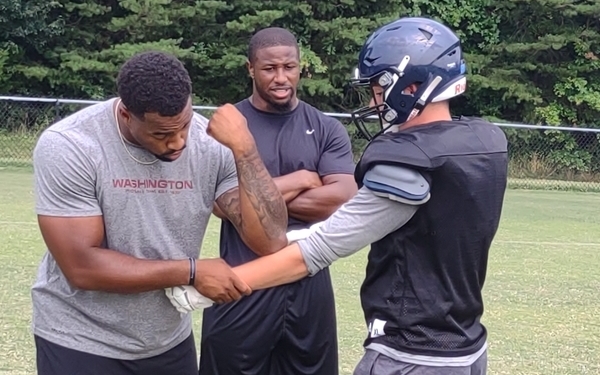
{"x":541,"y":157}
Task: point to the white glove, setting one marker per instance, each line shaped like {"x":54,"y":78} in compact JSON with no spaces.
{"x":186,"y":298}
{"x":300,"y":234}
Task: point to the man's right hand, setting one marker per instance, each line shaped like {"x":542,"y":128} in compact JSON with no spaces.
{"x":217,"y":281}
{"x":229,"y":127}
{"x":310,"y":179}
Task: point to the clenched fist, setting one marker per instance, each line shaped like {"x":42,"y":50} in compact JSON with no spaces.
{"x":229,"y":127}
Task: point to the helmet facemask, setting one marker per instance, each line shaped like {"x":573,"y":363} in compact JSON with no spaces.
{"x":363,"y":117}
{"x":383,"y":112}
{"x":397,"y":107}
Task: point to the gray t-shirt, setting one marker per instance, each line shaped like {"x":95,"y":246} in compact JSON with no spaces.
{"x":157,"y":211}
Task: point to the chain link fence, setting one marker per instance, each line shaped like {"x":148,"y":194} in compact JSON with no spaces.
{"x":541,"y":157}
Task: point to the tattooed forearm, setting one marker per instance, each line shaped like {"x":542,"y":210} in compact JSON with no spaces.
{"x":258,"y":209}
{"x":229,"y":204}
{"x":257,"y":188}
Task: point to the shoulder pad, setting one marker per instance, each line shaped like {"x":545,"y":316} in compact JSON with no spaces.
{"x":397,"y":183}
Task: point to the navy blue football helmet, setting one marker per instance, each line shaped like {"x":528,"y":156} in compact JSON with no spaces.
{"x":406,"y":51}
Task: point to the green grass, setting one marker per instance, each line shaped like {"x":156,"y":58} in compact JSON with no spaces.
{"x":542,"y":292}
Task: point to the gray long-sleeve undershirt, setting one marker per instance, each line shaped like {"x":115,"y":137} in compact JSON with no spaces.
{"x":364,"y":219}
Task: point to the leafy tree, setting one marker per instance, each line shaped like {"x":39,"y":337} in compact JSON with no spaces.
{"x":25,"y":30}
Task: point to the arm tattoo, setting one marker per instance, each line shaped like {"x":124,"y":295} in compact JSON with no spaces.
{"x":258,"y":186}
{"x":229,"y":203}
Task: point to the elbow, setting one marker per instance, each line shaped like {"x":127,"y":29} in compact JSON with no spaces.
{"x":276,"y":245}
{"x":339,"y":200}
{"x":329,"y":209}
{"x":265,"y":252}
{"x":349,"y":191}
{"x":80,"y":279}
{"x":270,"y":247}
{"x":349,"y":194}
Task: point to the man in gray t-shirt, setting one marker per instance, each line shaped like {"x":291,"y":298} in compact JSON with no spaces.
{"x":124,"y":192}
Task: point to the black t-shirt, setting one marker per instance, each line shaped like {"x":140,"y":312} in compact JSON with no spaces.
{"x":304,"y":138}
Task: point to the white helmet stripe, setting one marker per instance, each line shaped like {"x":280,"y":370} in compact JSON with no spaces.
{"x":455,"y":89}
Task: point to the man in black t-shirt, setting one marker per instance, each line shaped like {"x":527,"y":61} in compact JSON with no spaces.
{"x":290,"y":329}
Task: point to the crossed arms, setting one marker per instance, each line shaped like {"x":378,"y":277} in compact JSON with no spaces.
{"x":308,"y":198}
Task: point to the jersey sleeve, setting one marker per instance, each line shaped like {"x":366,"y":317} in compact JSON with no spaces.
{"x":337,"y":154}
{"x":64,"y":178}
{"x":364,"y":219}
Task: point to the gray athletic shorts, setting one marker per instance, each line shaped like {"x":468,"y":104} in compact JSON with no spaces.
{"x":375,"y":363}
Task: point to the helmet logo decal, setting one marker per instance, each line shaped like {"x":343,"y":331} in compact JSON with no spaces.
{"x":460,"y":88}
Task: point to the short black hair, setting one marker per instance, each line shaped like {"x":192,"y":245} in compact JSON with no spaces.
{"x":154,"y":82}
{"x":271,"y":37}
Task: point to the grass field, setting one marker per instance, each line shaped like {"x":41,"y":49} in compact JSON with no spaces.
{"x":542,"y":293}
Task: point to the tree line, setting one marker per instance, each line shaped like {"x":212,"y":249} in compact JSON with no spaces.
{"x":531,"y":61}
